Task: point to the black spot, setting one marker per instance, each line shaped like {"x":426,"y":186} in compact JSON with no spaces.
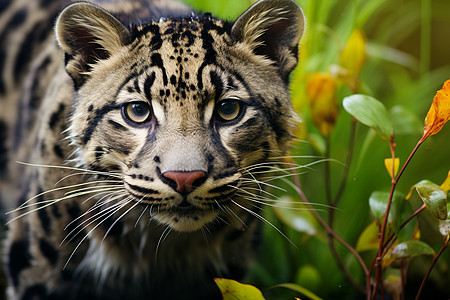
{"x":186,"y":75}
{"x":231,"y":83}
{"x":225,"y":174}
{"x":90,"y":108}
{"x":223,"y":188}
{"x":36,"y":95}
{"x":136,"y":85}
{"x":45,"y":220}
{"x":117,"y":125}
{"x":148,"y":83}
{"x":58,"y":151}
{"x":3,"y":146}
{"x":3,"y":5}
{"x":218,"y":84}
{"x":17,"y":19}
{"x":56,"y":116}
{"x":56,"y":212}
{"x":162,"y":93}
{"x":19,"y":258}
{"x":156,"y":159}
{"x":2,"y":63}
{"x":142,"y":190}
{"x":173,"y":80}
{"x":157,"y":61}
{"x":167,"y":92}
{"x":49,"y":251}
{"x":130,"y":89}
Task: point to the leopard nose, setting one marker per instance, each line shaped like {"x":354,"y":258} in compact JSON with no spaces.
{"x":183,"y":182}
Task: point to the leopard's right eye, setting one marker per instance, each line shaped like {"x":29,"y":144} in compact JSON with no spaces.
{"x":137,"y":112}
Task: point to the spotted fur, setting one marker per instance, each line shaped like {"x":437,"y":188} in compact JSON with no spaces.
{"x":106,"y":205}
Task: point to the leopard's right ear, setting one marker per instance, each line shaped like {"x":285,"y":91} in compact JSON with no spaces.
{"x":87,"y":34}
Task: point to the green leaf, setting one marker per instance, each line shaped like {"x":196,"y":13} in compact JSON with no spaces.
{"x":378,"y":204}
{"x":405,"y":121}
{"x":296,"y":288}
{"x":233,"y":290}
{"x":434,"y":198}
{"x":368,"y":240}
{"x":411,"y":249}
{"x":370,"y":112}
{"x":308,"y":276}
{"x":295,"y":216}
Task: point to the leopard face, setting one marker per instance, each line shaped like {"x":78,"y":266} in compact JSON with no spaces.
{"x":181,"y":110}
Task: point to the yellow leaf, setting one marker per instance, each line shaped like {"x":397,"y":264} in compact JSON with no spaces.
{"x":392,"y":170}
{"x":446,"y":184}
{"x":353,"y":55}
{"x":439,"y":112}
{"x":321,"y":91}
{"x":233,"y":290}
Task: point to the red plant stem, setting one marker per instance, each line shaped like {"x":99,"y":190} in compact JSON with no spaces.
{"x":378,"y":258}
{"x":326,"y":227}
{"x":391,"y":239}
{"x":444,"y":246}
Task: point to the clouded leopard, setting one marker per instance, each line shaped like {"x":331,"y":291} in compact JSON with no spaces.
{"x":132,"y":136}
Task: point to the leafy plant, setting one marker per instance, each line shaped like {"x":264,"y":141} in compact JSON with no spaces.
{"x":368,"y":71}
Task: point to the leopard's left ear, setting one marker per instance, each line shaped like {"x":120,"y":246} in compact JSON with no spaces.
{"x":87,"y":34}
{"x":272,"y":28}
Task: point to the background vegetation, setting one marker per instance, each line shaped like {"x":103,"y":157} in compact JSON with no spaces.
{"x":399,"y":54}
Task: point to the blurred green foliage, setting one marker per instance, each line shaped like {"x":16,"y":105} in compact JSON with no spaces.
{"x":407,"y":61}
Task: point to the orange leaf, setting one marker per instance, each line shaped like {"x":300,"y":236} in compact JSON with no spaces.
{"x":321,"y":92}
{"x":439,"y":112}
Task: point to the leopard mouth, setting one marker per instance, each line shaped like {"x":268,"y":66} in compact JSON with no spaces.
{"x":186,"y":217}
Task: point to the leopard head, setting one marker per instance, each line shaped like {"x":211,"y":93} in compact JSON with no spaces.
{"x":184,"y":111}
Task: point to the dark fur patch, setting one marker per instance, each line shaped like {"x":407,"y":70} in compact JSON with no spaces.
{"x":4,"y":5}
{"x":46,"y":222}
{"x":158,"y":62}
{"x":37,"y":291}
{"x":93,"y":123}
{"x":3,"y":146}
{"x":19,"y":258}
{"x":49,"y":251}
{"x":17,"y":19}
{"x":56,"y":116}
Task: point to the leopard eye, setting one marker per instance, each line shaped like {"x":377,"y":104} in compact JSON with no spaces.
{"x":228,"y":109}
{"x":137,"y":112}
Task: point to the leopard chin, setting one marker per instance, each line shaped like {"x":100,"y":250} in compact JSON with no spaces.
{"x":186,"y":219}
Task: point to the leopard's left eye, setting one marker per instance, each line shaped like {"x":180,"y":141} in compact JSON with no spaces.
{"x":137,"y":112}
{"x":229,"y":109}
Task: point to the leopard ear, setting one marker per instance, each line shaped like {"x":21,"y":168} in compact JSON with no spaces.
{"x":272,"y":28}
{"x":88,"y":33}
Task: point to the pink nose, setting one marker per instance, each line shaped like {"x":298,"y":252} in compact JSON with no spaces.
{"x":184,"y":180}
